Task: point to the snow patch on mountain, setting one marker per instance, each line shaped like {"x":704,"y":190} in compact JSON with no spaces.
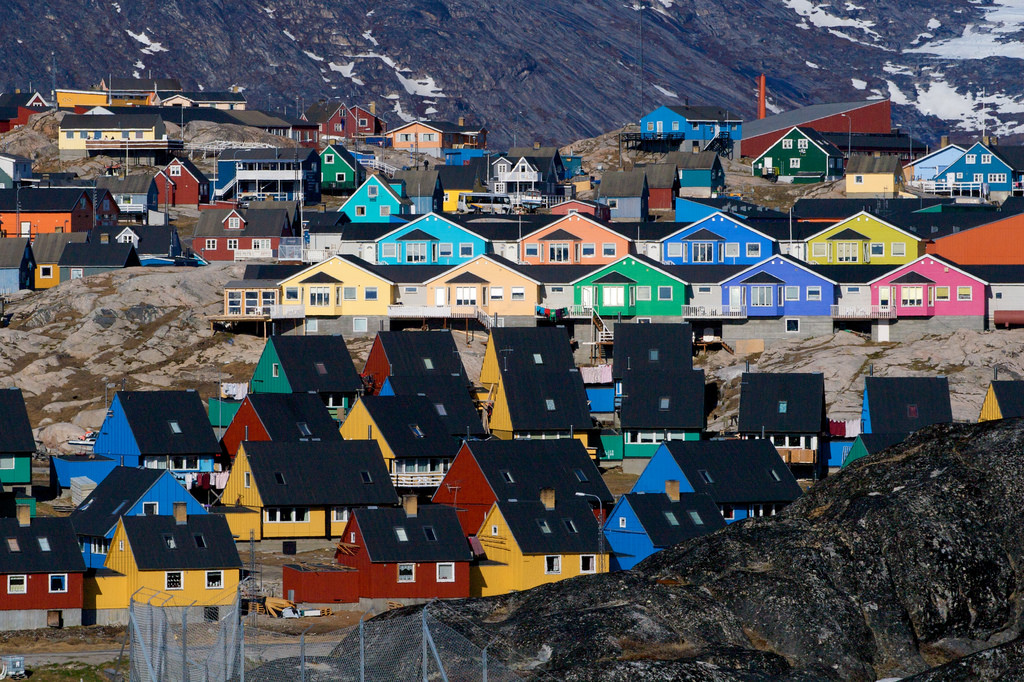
{"x":151,"y":46}
{"x":994,"y":36}
{"x":667,"y":93}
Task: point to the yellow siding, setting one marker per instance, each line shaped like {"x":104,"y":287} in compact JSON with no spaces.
{"x":872,"y":184}
{"x":451,"y":199}
{"x":495,"y":275}
{"x":235,"y":492}
{"x":350,"y":276}
{"x":315,"y":527}
{"x":490,"y":371}
{"x":876,"y":231}
{"x":990,"y":408}
{"x":47,"y":282}
{"x":68,"y":99}
{"x":241,"y":523}
{"x":359,"y":425}
{"x":501,"y":418}
{"x":105,"y":592}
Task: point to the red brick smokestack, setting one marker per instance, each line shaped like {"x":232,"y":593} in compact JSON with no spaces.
{"x":761,"y":96}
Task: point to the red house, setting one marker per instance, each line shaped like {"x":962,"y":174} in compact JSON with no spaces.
{"x":409,"y":553}
{"x":12,"y":117}
{"x":662,"y":185}
{"x":329,"y":115}
{"x":406,"y":353}
{"x":320,"y":583}
{"x":42,"y":572}
{"x":180,"y":183}
{"x":362,"y":123}
{"x":591,"y":208}
{"x":280,"y":417}
{"x":866,"y":116}
{"x":487,"y":471}
{"x":239,"y":234}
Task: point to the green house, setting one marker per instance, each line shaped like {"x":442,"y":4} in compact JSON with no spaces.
{"x":870,"y":443}
{"x":17,"y":445}
{"x":633,"y":286}
{"x":800,"y":156}
{"x":339,"y":170}
{"x":309,"y":364}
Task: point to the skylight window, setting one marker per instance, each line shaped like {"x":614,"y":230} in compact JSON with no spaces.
{"x":119,"y":508}
{"x":695,"y":517}
{"x":550,"y":404}
{"x":175,"y":427}
{"x":569,"y":525}
{"x":544,"y":527}
{"x":304,"y":429}
{"x":581,"y":476}
{"x":653,"y":355}
{"x":200,"y":541}
{"x":170,"y":542}
{"x":775,"y":475}
{"x":783,"y":407}
{"x":507,"y":475}
{"x":428,"y":363}
{"x":671,"y":518}
{"x":44,"y":544}
{"x":706,"y":476}
{"x":320,"y":369}
{"x":365,"y":475}
{"x":664,"y":402}
{"x":12,"y":545}
{"x":538,"y":359}
{"x":279,"y":477}
{"x":416,"y":430}
{"x":429,"y":534}
{"x":401,"y":534}
{"x":440,"y":409}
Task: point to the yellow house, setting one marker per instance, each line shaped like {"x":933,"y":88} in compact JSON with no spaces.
{"x":873,"y":176}
{"x":534,"y":542}
{"x":490,"y":284}
{"x":112,"y":134}
{"x":304,"y":490}
{"x":339,"y":295}
{"x":863,"y":239}
{"x":47,"y":248}
{"x":69,"y":99}
{"x":188,"y":560}
{"x":1004,"y":400}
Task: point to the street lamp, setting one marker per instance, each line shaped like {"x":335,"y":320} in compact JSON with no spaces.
{"x":849,"y":136}
{"x":600,"y":530}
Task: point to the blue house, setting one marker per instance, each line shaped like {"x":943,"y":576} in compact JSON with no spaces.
{"x":17,"y":265}
{"x":377,"y":201}
{"x":929,"y":166}
{"x":641,"y":524}
{"x":779,"y":286}
{"x":718,"y":239}
{"x":903,"y":405}
{"x":159,"y":430}
{"x":745,"y":478}
{"x":430,"y":240}
{"x":424,"y":188}
{"x":271,"y":173}
{"x":65,"y":467}
{"x":701,"y":174}
{"x":125,"y":492}
{"x":996,"y":167}
{"x":694,"y":122}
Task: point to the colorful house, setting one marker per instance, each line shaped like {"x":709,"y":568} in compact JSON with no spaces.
{"x":125,"y":492}
{"x":801,"y":155}
{"x":424,"y":189}
{"x":450,"y":397}
{"x":280,"y":417}
{"x":43,"y":572}
{"x":415,"y":552}
{"x":485,"y":472}
{"x":697,"y":125}
{"x":591,"y":208}
{"x":458,"y":180}
{"x":339,"y":170}
{"x":140,"y":136}
{"x":745,"y":478}
{"x":47,"y":250}
{"x":31,"y":212}
{"x":626,"y":194}
{"x":535,"y":541}
{"x":655,"y":407}
{"x":863,"y":238}
{"x":181,"y":183}
{"x":82,"y":259}
{"x":642,"y":524}
{"x":17,"y":264}
{"x":662,"y":185}
{"x":489,"y":285}
{"x":928,"y":167}
{"x":430,"y":239}
{"x":993,"y":243}
{"x":1003,"y":400}
{"x":530,"y":403}
{"x":308,"y":364}
{"x":18,"y":443}
{"x":276,"y":173}
{"x":136,"y":195}
{"x":930,"y":295}
{"x":405,"y":353}
{"x":363,"y":122}
{"x":303,"y":489}
{"x":329,"y":115}
{"x":902,"y":405}
{"x":240,"y":234}
{"x":983,"y":167}
{"x":377,"y":200}
{"x":576,"y":239}
{"x":869,"y":176}
{"x":789,"y":410}
{"x":718,"y":239}
{"x":433,"y":137}
{"x":700,"y":174}
{"x":870,"y":443}
{"x":633,"y":287}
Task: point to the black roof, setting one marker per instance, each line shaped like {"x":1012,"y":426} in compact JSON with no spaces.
{"x":568,"y":528}
{"x":193,"y":169}
{"x":417,"y":235}
{"x":663,"y":400}
{"x":265,"y":222}
{"x":39,"y":199}
{"x":158,"y":543}
{"x":848,"y":234}
{"x":341,"y":473}
{"x":411,"y":426}
{"x":326,"y":221}
{"x":152,"y":416}
{"x":996,"y":274}
{"x":1010,"y":396}
{"x":450,"y":397}
{"x":894,"y":142}
{"x":271,"y":271}
{"x":1012,"y":155}
{"x":906,"y":404}
{"x":560,"y":235}
{"x":850,"y":274}
{"x":293,"y":417}
{"x":741,"y":471}
{"x":405,"y":273}
{"x":122,"y":488}
{"x":379,"y":528}
{"x":704,"y":274}
{"x":519,"y":469}
{"x":63,"y":554}
{"x":705,"y":234}
{"x":705,"y":112}
{"x":913,"y":277}
{"x":782,"y":403}
{"x":762,"y":277}
{"x":466,"y":277}
{"x":652,"y":511}
{"x":645,"y":231}
{"x":320,"y":278}
{"x":317,"y":363}
{"x":153,"y":239}
{"x":15,"y":428}
{"x":658,"y":347}
{"x":876,"y":442}
{"x":98,"y":255}
{"x":740,"y":207}
{"x":518,"y":348}
{"x":48,"y":247}
{"x":613,"y":277}
{"x":407,"y":352}
{"x":839,"y":209}
{"x":553,"y":401}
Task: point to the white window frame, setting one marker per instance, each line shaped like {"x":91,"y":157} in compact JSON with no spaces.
{"x":406,"y":579}
{"x":794,"y":163}
{"x":674,"y":250}
{"x":661,"y":293}
{"x":732,"y":250}
{"x":814,"y":293}
{"x":167,"y":581}
{"x":24,"y":583}
{"x":555,"y":561}
{"x":609,"y":249}
{"x":360,"y":325}
{"x":792,"y":293}
{"x":792,"y":319}
{"x":341,"y":512}
{"x":49,"y":583}
{"x":593,"y":563}
{"x":497,"y":293}
{"x":588,"y":250}
{"x":756,"y":298}
{"x":466,"y":250}
{"x":787,"y":144}
{"x":219,"y":585}
{"x":643,"y":293}
{"x":518,"y":293}
{"x":753,"y":249}
{"x":450,"y":565}
{"x":232,"y":244}
{"x":388,"y":250}
{"x":898,"y":249}
{"x":961,"y":297}
{"x":702,"y":252}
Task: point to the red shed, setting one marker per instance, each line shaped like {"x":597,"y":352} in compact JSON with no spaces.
{"x":409,"y":553}
{"x":281,"y":417}
{"x":599,"y":211}
{"x":870,"y":116}
{"x":320,"y":583}
{"x":487,"y":471}
{"x":180,"y":183}
{"x":362,"y":122}
{"x":408,"y":353}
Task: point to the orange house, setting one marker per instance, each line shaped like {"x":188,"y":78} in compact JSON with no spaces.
{"x":31,"y":212}
{"x":433,"y":137}
{"x":576,"y":239}
{"x":995,"y":243}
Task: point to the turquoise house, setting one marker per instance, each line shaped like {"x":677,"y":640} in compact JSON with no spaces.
{"x":430,"y":240}
{"x":377,"y":201}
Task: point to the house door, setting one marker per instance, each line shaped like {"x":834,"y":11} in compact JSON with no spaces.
{"x":766,"y":167}
{"x":661,"y":126}
{"x":735,"y":298}
{"x":883,"y":330}
{"x":26,"y":228}
{"x":440,"y":297}
{"x":654,"y":250}
{"x":512,"y":253}
{"x":369,"y":253}
{"x":587,"y":297}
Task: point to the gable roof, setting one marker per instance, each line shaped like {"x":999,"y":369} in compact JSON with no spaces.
{"x":664,"y":269}
{"x":651,"y":511}
{"x":868,"y":164}
{"x":322,"y":111}
{"x":418,"y":182}
{"x":1010,"y":396}
{"x":12,"y":251}
{"x":115,"y":495}
{"x":906,"y":404}
{"x":15,"y":428}
{"x":787,"y":259}
{"x":130,"y":184}
{"x":705,"y":160}
{"x":762,"y":395}
{"x":42,"y":199}
{"x":623,"y":183}
{"x":283,"y":414}
{"x":408,"y":351}
{"x":704,"y":112}
{"x":263,"y":222}
{"x":153,"y":239}
{"x":849,"y":234}
{"x":98,"y":255}
{"x":740,"y":470}
{"x":64,"y":554}
{"x":410,"y":425}
{"x":931,"y":256}
{"x":661,"y":175}
{"x":876,"y":442}
{"x":663,"y":400}
{"x":148,"y":537}
{"x":913,"y":278}
{"x":795,"y":117}
{"x":459,"y":177}
{"x":940,"y":150}
{"x":150,"y":413}
{"x":448,"y":394}
{"x":824,"y":145}
{"x":317,"y":363}
{"x":1012,"y":156}
{"x":516,"y":347}
{"x":568,"y":528}
{"x":852,"y":220}
{"x":329,"y":474}
{"x":48,"y":247}
{"x":655,"y":347}
{"x":528,"y":396}
{"x":377,"y":527}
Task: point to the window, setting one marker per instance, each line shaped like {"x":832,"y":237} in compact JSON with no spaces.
{"x":986,"y":158}
{"x":371,"y":191}
{"x":971,"y":159}
{"x":416,"y":252}
{"x":359,"y":324}
{"x":446,"y":572}
{"x":388,"y":250}
{"x":995,"y":178}
{"x":613,"y":203}
{"x":497,"y":293}
{"x":792,"y":326}
{"x":232,"y":244}
{"x":588,"y":250}
{"x":401,"y":535}
{"x":441,"y":411}
{"x":941,"y":293}
{"x":728,"y":512}
{"x":664,"y":293}
{"x":664,"y":402}
{"x":553,"y":565}
{"x":674,"y":250}
{"x":291,"y":294}
{"x":761,"y":296}
{"x":286,"y":515}
{"x":819,"y":250}
{"x":175,"y":427}
{"x":17,"y":584}
{"x":319,"y":296}
{"x":348,"y":293}
{"x":650,"y":125}
{"x":912,"y":411}
{"x":312,"y":325}
{"x":544,"y":527}
{"x":370,"y":294}
{"x":247,"y":479}
{"x":151,"y":508}
{"x":877,"y":249}
{"x":549,"y":404}
{"x":858,"y":179}
{"x":58,"y":583}
{"x":44,"y":544}
{"x":792,"y":293}
{"x":801,"y":143}
{"x":340,"y":514}
{"x":622,"y":522}
{"x":406,"y":573}
{"x":783,"y":406}
{"x":963,"y":293}
{"x":365,"y":477}
{"x":518,"y":293}
{"x":753,"y":250}
{"x":814,"y":293}
{"x":465,"y":250}
{"x":794,"y":163}
{"x":787,"y":144}
{"x":173,"y":580}
{"x":847,"y":252}
{"x":428,"y":534}
{"x":360,"y":211}
{"x":695,"y":517}
{"x":494,"y":531}
{"x":775,"y":475}
{"x":643,"y":293}
{"x":588,"y":563}
{"x":465,"y":295}
{"x":705,"y":476}
{"x":703,"y":252}
{"x":234,"y":223}
{"x":670,"y":516}
{"x":532,"y":250}
{"x":608,"y":250}
{"x":6,"y":462}
{"x":46,"y":271}
{"x":558,"y":253}
{"x":912,"y":296}
{"x":384,"y":211}
{"x":507,"y":475}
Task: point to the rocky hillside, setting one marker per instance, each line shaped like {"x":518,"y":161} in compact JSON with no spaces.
{"x":905,"y":561}
{"x":554,"y":70}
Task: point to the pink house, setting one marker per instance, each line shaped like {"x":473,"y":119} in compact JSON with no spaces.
{"x":930,"y":295}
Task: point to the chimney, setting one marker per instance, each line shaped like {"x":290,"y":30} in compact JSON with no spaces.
{"x":761,"y":87}
{"x":462,"y":120}
{"x":373,"y":108}
{"x":536,"y":145}
{"x":944,"y":141}
{"x":180,"y":513}
{"x":24,"y":514}
{"x":672,"y":489}
{"x":547,"y":497}
{"x":410,"y":505}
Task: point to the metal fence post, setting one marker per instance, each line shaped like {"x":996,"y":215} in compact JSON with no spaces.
{"x":241,"y":663}
{"x":362,"y":651}
{"x":184,"y":645}
{"x":302,"y":656}
{"x":423,"y":638}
